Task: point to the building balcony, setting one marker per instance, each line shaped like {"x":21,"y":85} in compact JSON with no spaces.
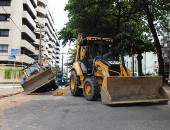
{"x":54,"y":50}
{"x":57,"y":57}
{"x":37,"y":43}
{"x":54,"y":55}
{"x":26,"y":30}
{"x":54,"y":45}
{"x":26,"y":59}
{"x":58,"y":49}
{"x":49,"y":26}
{"x":45,"y":52}
{"x":50,"y":50}
{"x":30,"y":7}
{"x":36,"y":52}
{"x":27,"y":45}
{"x":29,"y":18}
{"x":50,"y":19}
{"x":44,"y":2}
{"x":50,"y":37}
{"x":19,"y":58}
{"x":50,"y":44}
{"x":57,"y":43}
{"x":46,"y":46}
{"x":41,"y":11}
{"x":40,"y":20}
{"x":49,"y":57}
{"x":34,"y":2}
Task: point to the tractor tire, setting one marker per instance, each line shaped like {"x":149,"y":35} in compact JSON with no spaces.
{"x":54,"y":85}
{"x":74,"y":84}
{"x":91,"y":89}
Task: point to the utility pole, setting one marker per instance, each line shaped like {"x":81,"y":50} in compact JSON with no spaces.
{"x":62,"y":62}
{"x":40,"y":53}
{"x":41,"y":26}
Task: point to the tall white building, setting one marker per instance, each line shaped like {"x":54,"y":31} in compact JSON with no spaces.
{"x":20,"y":22}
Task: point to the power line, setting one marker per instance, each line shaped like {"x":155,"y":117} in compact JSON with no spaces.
{"x":15,"y":24}
{"x":11,"y":19}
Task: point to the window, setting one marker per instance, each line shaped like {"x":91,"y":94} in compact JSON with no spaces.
{"x":4,"y":17}
{"x":4,"y":32}
{"x":3,"y":48}
{"x":5,"y":2}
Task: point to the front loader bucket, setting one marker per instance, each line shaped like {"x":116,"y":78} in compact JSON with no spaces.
{"x":120,"y":90}
{"x":39,"y":82}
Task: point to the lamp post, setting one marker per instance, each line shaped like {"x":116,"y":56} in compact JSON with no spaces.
{"x":41,"y":26}
{"x":62,"y":62}
{"x":39,"y":56}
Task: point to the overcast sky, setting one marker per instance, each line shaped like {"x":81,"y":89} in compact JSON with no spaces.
{"x":56,"y":8}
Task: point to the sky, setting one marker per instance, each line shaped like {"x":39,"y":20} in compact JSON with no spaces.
{"x":56,"y":8}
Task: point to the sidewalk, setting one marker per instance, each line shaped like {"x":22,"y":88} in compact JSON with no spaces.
{"x":7,"y":91}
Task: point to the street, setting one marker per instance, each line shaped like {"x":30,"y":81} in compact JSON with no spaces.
{"x":48,"y":112}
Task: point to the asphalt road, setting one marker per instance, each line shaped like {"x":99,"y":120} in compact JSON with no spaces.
{"x":48,"y":112}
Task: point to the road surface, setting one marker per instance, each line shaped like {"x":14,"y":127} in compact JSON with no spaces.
{"x":48,"y":112}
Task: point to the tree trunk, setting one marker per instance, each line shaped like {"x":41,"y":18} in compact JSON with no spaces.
{"x":156,"y":40}
{"x":139,"y":58}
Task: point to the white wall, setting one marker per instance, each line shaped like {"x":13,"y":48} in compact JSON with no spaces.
{"x":149,"y":63}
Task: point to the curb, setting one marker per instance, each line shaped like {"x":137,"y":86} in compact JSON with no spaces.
{"x":9,"y":95}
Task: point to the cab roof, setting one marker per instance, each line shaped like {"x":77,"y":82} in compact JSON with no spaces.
{"x":98,"y":39}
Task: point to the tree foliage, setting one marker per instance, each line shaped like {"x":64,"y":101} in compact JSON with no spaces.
{"x":72,"y":55}
{"x":132,"y":23}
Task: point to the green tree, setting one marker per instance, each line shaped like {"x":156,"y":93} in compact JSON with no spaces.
{"x":155,"y":12}
{"x":123,"y":20}
{"x":71,"y":58}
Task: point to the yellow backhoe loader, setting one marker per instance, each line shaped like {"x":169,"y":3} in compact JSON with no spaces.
{"x":97,"y":71}
{"x":38,"y":79}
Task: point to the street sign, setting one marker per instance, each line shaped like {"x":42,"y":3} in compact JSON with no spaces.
{"x":11,"y":58}
{"x":15,"y":51}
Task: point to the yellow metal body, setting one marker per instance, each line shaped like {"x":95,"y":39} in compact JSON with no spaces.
{"x":60,"y":91}
{"x":40,"y":81}
{"x":123,"y":88}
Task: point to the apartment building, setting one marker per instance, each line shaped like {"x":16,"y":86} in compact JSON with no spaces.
{"x":24,"y":35}
{"x":52,"y":50}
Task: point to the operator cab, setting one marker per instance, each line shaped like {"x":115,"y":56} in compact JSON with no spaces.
{"x":98,"y":48}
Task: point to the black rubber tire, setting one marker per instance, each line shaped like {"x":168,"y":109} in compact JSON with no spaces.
{"x":54,"y":85}
{"x":94,"y":87}
{"x":76,"y":91}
